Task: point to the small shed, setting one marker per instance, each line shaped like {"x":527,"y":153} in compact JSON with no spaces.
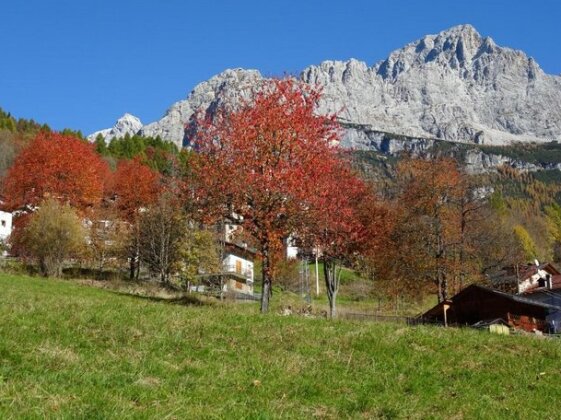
{"x":478,"y":303}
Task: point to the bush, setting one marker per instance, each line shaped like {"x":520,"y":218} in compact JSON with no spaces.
{"x":14,"y":266}
{"x":53,"y":234}
{"x":288,"y":275}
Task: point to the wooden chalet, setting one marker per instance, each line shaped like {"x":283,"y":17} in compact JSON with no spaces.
{"x":476,"y":304}
{"x":536,"y":282}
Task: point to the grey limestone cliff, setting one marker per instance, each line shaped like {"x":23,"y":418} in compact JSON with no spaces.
{"x":456,"y":85}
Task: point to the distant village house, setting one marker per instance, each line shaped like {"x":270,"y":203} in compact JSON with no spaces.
{"x":5,"y":225}
{"x":5,"y":228}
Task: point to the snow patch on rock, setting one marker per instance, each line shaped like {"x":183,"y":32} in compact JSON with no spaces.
{"x":127,"y":124}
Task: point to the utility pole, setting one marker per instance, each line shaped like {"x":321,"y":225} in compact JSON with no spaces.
{"x":518,"y":289}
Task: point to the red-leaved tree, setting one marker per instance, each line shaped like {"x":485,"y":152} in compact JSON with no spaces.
{"x":264,"y":162}
{"x":135,"y":186}
{"x":343,"y":223}
{"x":58,"y":166}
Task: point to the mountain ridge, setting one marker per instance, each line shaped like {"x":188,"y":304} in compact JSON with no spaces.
{"x":455,"y":85}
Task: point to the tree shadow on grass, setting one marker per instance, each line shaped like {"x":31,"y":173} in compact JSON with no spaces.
{"x":186,"y":300}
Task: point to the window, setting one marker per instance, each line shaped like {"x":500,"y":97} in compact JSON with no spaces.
{"x":3,"y":223}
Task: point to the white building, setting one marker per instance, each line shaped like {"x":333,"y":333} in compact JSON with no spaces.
{"x":237,"y":258}
{"x":535,"y":276}
{"x":5,"y":225}
{"x":237,"y":266}
{"x":236,"y":274}
{"x":291,"y":249}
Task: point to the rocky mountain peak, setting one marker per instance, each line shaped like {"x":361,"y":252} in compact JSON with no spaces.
{"x":127,"y":124}
{"x":224,"y":89}
{"x":128,"y":121}
{"x":462,"y":41}
{"x":464,"y":32}
{"x":454,"y":48}
{"x":456,"y":85}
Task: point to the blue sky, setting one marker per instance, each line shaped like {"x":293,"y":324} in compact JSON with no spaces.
{"x":83,"y":63}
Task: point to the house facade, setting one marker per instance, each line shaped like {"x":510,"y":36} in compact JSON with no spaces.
{"x":523,"y":278}
{"x":291,"y":248}
{"x":237,"y":272}
{"x":5,"y":225}
{"x":544,"y":286}
{"x":237,"y":268}
{"x":535,"y":276}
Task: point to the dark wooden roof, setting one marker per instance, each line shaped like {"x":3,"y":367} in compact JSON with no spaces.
{"x":476,"y":303}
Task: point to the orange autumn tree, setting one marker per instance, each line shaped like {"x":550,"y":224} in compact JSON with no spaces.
{"x":56,"y":166}
{"x":426,"y":234}
{"x":264,"y":162}
{"x":135,"y":186}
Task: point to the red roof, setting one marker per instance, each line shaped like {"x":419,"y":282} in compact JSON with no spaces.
{"x":525,"y":271}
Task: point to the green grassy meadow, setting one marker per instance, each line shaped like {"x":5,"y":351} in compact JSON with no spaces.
{"x":73,"y":351}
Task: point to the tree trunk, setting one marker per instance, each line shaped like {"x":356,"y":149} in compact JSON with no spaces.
{"x":132,"y":268}
{"x":463,"y":223}
{"x":101,"y":265}
{"x":442,"y":283}
{"x":266,"y":294}
{"x":58,"y":268}
{"x":135,"y":253}
{"x":267,"y":280}
{"x":439,"y":284}
{"x":440,"y":261}
{"x":43,"y":267}
{"x":331,"y":285}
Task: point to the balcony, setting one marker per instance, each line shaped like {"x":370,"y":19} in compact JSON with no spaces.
{"x":240,"y":271}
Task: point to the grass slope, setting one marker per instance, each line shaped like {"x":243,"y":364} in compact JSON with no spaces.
{"x":70,"y":351}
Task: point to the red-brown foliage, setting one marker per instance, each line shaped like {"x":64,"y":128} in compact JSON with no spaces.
{"x":135,"y":185}
{"x":345,"y":220}
{"x":58,"y":166}
{"x":335,"y":223}
{"x":265,"y":162}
